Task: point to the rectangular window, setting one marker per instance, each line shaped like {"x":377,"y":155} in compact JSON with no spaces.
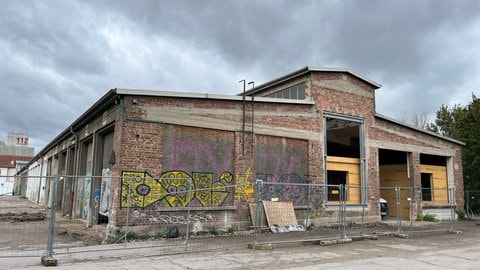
{"x":426,"y":186}
{"x":292,"y":92}
{"x":336,"y":178}
{"x":301,"y":91}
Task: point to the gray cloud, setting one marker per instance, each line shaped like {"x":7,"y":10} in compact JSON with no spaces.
{"x":59,"y":57}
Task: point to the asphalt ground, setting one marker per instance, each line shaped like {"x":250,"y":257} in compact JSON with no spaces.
{"x":459,"y":249}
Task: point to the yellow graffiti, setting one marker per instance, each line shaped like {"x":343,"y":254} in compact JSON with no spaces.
{"x":244,"y":187}
{"x":227,"y":177}
{"x":179,"y":187}
{"x":210,"y":193}
{"x":140,"y":189}
{"x":173,"y":189}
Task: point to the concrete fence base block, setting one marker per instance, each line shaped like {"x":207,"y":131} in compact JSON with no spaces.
{"x":49,"y":261}
{"x":335,"y":241}
{"x":401,"y":235}
{"x":363,"y":237}
{"x":260,"y":246}
{"x":455,"y":232}
{"x":328,"y":242}
{"x":371,"y":237}
{"x":344,"y":240}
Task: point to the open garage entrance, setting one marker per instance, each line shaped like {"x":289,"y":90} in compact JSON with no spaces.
{"x":394,"y":173}
{"x":344,"y":151}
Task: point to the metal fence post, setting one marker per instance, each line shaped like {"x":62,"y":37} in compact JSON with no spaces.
{"x":307,"y":214}
{"x":452,"y":207}
{"x":258,"y":208}
{"x":342,"y":210}
{"x":125,"y":236}
{"x":47,"y":258}
{"x":399,"y":209}
{"x":187,"y":233}
{"x":411,"y":202}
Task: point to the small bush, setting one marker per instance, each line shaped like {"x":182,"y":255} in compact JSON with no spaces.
{"x":213,"y":231}
{"x":426,"y":217}
{"x":461,"y":213}
{"x":231,"y":230}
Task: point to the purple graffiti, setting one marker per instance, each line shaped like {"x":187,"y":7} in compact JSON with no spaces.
{"x":201,"y":154}
{"x":276,"y":158}
{"x":181,"y":148}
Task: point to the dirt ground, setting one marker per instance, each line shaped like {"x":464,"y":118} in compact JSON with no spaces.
{"x":25,"y":225}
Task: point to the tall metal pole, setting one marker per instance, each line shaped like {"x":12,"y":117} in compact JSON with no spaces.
{"x":243,"y":118}
{"x":253,"y":101}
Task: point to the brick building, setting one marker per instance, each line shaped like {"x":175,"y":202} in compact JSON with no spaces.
{"x":133,"y":152}
{"x":14,"y":154}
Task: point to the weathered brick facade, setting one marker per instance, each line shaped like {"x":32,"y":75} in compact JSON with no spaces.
{"x":163,"y":140}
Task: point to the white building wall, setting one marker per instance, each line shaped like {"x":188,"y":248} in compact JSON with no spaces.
{"x":6,"y":181}
{"x":36,"y":182}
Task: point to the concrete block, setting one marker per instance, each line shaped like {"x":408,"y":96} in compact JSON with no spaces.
{"x":49,"y":261}
{"x":260,"y":246}
{"x":328,"y":242}
{"x":401,"y":235}
{"x":344,"y":240}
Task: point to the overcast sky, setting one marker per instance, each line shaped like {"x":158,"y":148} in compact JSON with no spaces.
{"x":60,"y":57}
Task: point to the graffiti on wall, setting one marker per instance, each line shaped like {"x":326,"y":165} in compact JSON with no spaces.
{"x":244,"y":188}
{"x":96,"y":204}
{"x":200,"y":156}
{"x":209,"y":192}
{"x":105,"y":191}
{"x":174,"y":189}
{"x":197,"y":218}
{"x":287,"y":188}
{"x":317,"y":197}
{"x":137,"y":217}
{"x":278,"y":163}
{"x":84,"y":198}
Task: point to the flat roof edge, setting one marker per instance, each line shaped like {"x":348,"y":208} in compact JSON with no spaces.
{"x":418,"y":129}
{"x":175,"y":94}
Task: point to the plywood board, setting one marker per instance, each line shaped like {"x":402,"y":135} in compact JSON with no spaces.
{"x":280,"y":213}
{"x":439,"y":183}
{"x":392,"y":176}
{"x":352,"y":166}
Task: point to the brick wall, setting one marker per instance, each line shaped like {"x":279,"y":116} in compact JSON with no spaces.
{"x":161,"y":134}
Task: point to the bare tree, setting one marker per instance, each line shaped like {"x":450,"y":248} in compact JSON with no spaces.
{"x":421,"y":120}
{"x":418,"y":120}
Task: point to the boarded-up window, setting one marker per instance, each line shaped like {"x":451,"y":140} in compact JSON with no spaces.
{"x":426,"y":186}
{"x":336,"y":180}
{"x":439,"y":192}
{"x":350,"y":167}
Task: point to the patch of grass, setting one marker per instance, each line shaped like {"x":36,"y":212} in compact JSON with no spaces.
{"x":144,"y":237}
{"x":121,"y":235}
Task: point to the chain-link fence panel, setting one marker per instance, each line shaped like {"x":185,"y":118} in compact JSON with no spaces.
{"x":24,"y":219}
{"x":66,"y":214}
